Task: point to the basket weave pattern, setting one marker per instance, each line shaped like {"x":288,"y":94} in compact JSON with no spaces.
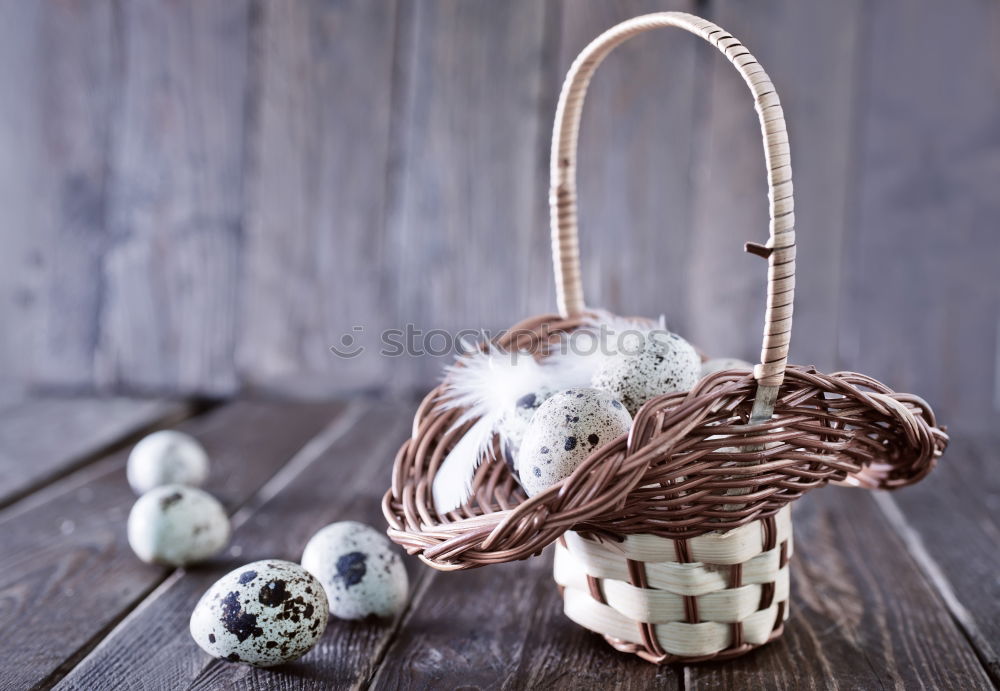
{"x":669,"y":600}
{"x":673,"y":541}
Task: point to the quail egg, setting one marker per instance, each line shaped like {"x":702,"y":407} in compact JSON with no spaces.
{"x":177,"y":525}
{"x":647,"y":364}
{"x":514,"y":423}
{"x":359,"y":569}
{"x":265,"y":613}
{"x":166,"y":457}
{"x":564,"y":431}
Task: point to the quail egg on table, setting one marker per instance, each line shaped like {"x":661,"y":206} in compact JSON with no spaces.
{"x":720,"y":364}
{"x":647,"y":365}
{"x":265,"y":613}
{"x":565,"y":430}
{"x":166,"y":457}
{"x":359,"y":569}
{"x":177,"y":525}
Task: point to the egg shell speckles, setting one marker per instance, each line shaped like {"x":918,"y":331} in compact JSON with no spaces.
{"x":166,"y":457}
{"x":720,"y":364}
{"x":177,"y":525}
{"x":646,"y":366}
{"x":360,"y":570}
{"x":564,"y":431}
{"x":514,"y":423}
{"x":262,"y":614}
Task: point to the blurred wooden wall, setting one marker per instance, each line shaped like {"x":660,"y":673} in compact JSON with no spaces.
{"x":205,"y":196}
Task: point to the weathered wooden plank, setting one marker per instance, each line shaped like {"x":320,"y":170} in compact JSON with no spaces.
{"x":467,"y":231}
{"x":57,"y":69}
{"x":951,"y":526}
{"x":333,"y":478}
{"x":640,"y":123}
{"x":811,"y":52}
{"x":862,"y":614}
{"x":175,"y":195}
{"x":503,"y":627}
{"x":922,"y":298}
{"x":67,"y":573}
{"x":20,"y":277}
{"x":316,"y":262}
{"x":43,"y":438}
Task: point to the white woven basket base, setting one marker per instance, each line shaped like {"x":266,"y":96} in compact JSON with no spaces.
{"x":676,"y":638}
{"x":662,"y":603}
{"x":733,"y":547}
{"x":728,"y":605}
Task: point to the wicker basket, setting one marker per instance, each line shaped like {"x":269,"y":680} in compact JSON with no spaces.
{"x":673,"y":542}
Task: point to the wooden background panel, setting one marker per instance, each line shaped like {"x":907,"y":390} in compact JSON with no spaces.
{"x":923,"y":300}
{"x":58,"y":69}
{"x":639,"y":136}
{"x":174,"y":198}
{"x":201,"y":197}
{"x":315,"y":259}
{"x":810,"y":51}
{"x":468,"y":183}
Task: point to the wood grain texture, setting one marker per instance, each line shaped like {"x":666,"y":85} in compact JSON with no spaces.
{"x":42,"y":438}
{"x":316,"y":261}
{"x":810,"y":51}
{"x":139,"y":135}
{"x":923,"y":301}
{"x":67,"y":572}
{"x":339,"y":475}
{"x":503,"y":627}
{"x":20,"y":262}
{"x":951,"y":526}
{"x":862,"y":614}
{"x":57,"y":70}
{"x":466,"y":218}
{"x":638,"y":139}
{"x":175,"y":198}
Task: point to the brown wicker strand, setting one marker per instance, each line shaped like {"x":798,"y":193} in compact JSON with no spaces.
{"x":675,"y":474}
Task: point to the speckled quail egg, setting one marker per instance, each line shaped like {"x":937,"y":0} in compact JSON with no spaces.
{"x":265,"y":613}
{"x":359,"y":569}
{"x":166,"y":457}
{"x":177,"y":525}
{"x":514,"y":423}
{"x":646,"y":365}
{"x":723,"y":363}
{"x":564,"y":431}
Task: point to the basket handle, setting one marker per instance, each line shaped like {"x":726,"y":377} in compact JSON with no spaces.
{"x":780,"y":248}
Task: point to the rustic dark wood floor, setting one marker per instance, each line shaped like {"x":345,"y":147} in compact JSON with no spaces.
{"x":895,"y":590}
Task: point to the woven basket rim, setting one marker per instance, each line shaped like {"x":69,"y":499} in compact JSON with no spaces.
{"x":674,"y":475}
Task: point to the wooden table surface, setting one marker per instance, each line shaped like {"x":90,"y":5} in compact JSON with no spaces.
{"x":888,"y":590}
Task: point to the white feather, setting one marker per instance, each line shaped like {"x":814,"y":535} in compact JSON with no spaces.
{"x":486,"y":385}
{"x":453,"y":481}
